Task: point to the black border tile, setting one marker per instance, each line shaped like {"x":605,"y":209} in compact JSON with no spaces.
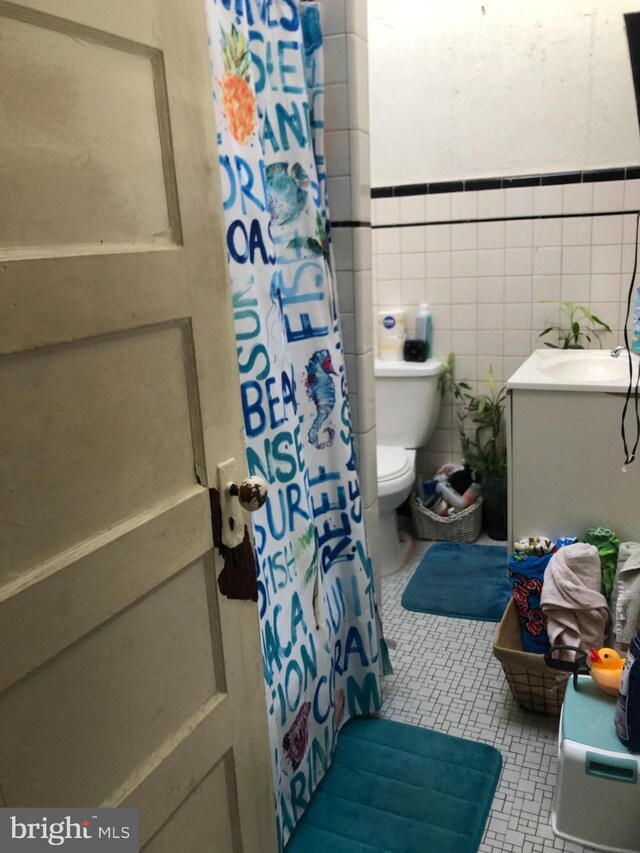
{"x":483,"y":184}
{"x":350,"y":223}
{"x":603,"y":175}
{"x":560,"y":178}
{"x":445,"y":187}
{"x":632,"y":172}
{"x":410,"y":189}
{"x":524,"y":181}
{"x":381,"y":192}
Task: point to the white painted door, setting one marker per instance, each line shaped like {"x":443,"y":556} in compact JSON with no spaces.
{"x":125,"y":677}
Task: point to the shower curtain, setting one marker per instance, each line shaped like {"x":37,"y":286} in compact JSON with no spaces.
{"x":315,"y":580}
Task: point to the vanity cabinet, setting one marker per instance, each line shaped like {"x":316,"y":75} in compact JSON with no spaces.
{"x":565,"y":457}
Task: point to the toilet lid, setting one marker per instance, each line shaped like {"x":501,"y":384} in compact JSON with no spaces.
{"x":392,"y":462}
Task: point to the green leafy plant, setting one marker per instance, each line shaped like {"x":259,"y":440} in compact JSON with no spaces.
{"x":577,"y":324}
{"x":480,"y":422}
{"x":446,"y":381}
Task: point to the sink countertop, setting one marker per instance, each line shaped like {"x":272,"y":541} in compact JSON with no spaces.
{"x":574,"y":370}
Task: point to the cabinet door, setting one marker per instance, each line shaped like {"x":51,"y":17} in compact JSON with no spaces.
{"x":566,"y":465}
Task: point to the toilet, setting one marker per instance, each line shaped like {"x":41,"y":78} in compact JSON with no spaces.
{"x":407,"y":410}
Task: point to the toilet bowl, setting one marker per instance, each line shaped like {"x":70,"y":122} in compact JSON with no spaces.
{"x":396,"y":476}
{"x":407,"y":409}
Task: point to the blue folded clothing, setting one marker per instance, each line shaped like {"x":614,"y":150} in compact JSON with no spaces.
{"x":527,"y":576}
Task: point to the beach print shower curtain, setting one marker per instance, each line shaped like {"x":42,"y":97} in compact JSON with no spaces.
{"x":315,"y":580}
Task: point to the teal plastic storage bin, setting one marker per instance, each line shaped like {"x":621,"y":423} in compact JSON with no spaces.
{"x":597,"y":796}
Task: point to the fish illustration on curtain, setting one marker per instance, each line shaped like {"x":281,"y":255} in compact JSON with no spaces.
{"x":316,"y":597}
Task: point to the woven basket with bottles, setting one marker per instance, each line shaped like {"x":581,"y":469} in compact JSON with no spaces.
{"x":464,"y":526}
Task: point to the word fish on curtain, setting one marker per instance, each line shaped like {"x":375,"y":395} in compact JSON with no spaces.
{"x":315,"y":581}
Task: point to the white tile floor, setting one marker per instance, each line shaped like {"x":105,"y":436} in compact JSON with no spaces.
{"x":446,"y":678}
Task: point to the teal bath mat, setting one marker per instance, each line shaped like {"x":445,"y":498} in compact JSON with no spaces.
{"x":458,"y":579}
{"x":394,"y":788}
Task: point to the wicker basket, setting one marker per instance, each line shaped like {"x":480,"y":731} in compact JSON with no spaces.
{"x":535,"y":686}
{"x":462,"y":527}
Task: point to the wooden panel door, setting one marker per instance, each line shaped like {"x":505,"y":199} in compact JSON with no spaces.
{"x":125,"y":678}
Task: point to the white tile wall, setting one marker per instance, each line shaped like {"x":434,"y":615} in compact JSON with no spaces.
{"x":577,"y":198}
{"x":518,"y":201}
{"x":349,"y":188}
{"x":360,"y":176}
{"x":336,"y":107}
{"x":493,"y":285}
{"x":335,"y":58}
{"x":334,"y":18}
{"x":357,"y":18}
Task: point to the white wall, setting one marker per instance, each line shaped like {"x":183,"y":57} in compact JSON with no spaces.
{"x":484,"y":88}
{"x":346,"y":140}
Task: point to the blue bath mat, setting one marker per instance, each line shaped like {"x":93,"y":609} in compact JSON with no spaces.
{"x":458,"y":579}
{"x":394,"y":788}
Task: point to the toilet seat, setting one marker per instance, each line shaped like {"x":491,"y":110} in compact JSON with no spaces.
{"x":393,"y":462}
{"x":396,"y":475}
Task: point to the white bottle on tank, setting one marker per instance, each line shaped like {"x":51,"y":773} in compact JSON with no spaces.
{"x":391,"y":333}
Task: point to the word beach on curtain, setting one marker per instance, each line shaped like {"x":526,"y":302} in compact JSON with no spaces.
{"x":315,"y":580}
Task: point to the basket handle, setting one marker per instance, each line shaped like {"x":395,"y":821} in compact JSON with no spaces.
{"x":577,"y":666}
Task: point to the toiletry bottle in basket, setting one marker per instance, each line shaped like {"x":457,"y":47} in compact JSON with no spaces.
{"x":450,"y":495}
{"x":628,"y":707}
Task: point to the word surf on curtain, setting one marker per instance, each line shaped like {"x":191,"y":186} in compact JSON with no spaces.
{"x":315,"y":579}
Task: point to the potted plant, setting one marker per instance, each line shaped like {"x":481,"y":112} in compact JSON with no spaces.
{"x":577,"y":325}
{"x":482,"y":436}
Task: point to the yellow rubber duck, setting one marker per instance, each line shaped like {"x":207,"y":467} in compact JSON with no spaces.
{"x":606,"y":669}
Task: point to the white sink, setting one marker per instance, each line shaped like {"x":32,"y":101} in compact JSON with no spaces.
{"x":574,"y":370}
{"x":586,"y":366}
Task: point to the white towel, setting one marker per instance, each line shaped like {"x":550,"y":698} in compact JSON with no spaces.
{"x":625,"y":599}
{"x":576,"y":611}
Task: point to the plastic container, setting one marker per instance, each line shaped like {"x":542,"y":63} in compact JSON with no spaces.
{"x":472,"y":494}
{"x":391,"y":349}
{"x":392,"y":328}
{"x":451,"y":496}
{"x":438,"y":506}
{"x":424,"y":327}
{"x":628,"y":707}
{"x":426,"y":490}
{"x":597,"y":792}
{"x":392,"y":323}
{"x":635,"y":344}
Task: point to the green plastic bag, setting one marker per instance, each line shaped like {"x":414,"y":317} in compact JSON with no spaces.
{"x":607,"y":543}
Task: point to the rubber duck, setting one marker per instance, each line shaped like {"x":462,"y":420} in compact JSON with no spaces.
{"x":606,"y":669}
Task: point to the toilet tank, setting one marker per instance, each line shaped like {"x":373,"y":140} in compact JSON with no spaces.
{"x":407,"y":401}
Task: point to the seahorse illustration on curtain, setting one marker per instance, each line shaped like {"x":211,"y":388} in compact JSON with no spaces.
{"x":321,"y":390}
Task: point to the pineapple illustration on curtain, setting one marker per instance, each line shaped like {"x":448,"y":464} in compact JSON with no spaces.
{"x":315,"y":581}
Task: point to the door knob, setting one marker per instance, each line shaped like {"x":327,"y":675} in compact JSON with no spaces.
{"x":235,"y":495}
{"x":251,"y":492}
